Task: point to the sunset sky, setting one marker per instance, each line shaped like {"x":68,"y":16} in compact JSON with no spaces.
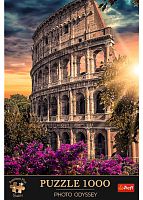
{"x":22,"y":18}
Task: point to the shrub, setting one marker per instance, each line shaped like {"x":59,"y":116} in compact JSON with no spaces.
{"x":34,"y":158}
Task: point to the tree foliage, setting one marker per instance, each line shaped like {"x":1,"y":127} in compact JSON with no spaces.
{"x":20,"y":126}
{"x":124,"y":118}
{"x":106,"y":3}
{"x":120,"y":93}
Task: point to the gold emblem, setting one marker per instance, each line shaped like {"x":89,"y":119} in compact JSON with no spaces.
{"x":17,"y":186}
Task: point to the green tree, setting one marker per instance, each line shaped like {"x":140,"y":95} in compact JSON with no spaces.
{"x":120,"y":93}
{"x":125,"y":119}
{"x":20,"y":125}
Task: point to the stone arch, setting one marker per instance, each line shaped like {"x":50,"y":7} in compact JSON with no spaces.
{"x":54,"y":144}
{"x":100,"y":145}
{"x":80,"y":103}
{"x":54,"y":73}
{"x":81,"y":65}
{"x":53,"y":106}
{"x":98,"y":106}
{"x":65,"y":138}
{"x":40,"y":77}
{"x":80,"y":137}
{"x":99,"y":58}
{"x":45,"y":107}
{"x":65,"y":105}
{"x":65,"y":68}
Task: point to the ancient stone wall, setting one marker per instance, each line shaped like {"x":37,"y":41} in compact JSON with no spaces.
{"x":70,"y":51}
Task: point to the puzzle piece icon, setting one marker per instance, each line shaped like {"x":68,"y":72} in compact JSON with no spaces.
{"x":17,"y":188}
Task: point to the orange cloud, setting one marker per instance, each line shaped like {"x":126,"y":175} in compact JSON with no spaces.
{"x":17,"y":71}
{"x":128,"y":45}
{"x":17,"y":84}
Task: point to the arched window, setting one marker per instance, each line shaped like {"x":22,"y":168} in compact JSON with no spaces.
{"x":40,"y":77}
{"x":80,"y":104}
{"x":46,"y":40}
{"x":100,"y":144}
{"x":99,"y":59}
{"x":53,"y":106}
{"x":66,"y":28}
{"x":65,"y":138}
{"x":80,"y":137}
{"x":46,"y":75}
{"x":81,"y":65}
{"x":98,"y":105}
{"x":54,"y":141}
{"x":39,"y":109}
{"x":54,"y":73}
{"x":65,"y":105}
{"x":45,"y":107}
{"x":65,"y":68}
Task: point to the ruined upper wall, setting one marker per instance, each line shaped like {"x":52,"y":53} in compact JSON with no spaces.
{"x":75,"y":22}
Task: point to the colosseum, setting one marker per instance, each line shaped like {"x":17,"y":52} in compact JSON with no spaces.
{"x":71,"y":48}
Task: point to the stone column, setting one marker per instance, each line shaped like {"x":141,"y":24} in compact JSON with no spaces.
{"x":58,"y":141}
{"x":92,"y":64}
{"x":59,"y":108}
{"x":49,"y":74}
{"x":71,"y":105}
{"x":71,"y":137}
{"x":92,"y":145}
{"x":60,"y":37}
{"x":72,"y":65}
{"x":106,"y":53}
{"x":36,"y":108}
{"x":137,"y":151}
{"x":91,"y":103}
{"x":134,"y":151}
{"x":137,"y":146}
{"x":88,"y":63}
{"x":59,"y":72}
{"x":88,"y":143}
{"x":74,"y":103}
{"x":72,"y":33}
{"x":75,"y":66}
{"x":109,"y":142}
{"x":87,"y":104}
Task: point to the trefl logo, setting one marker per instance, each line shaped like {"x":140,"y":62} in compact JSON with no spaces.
{"x":126,"y":187}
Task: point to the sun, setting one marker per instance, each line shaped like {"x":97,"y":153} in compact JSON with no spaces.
{"x":136,"y":70}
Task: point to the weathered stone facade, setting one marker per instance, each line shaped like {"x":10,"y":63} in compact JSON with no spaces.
{"x":70,"y":50}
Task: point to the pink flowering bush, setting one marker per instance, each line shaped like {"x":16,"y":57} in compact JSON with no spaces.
{"x":36,"y":159}
{"x":71,"y":158}
{"x":31,"y":159}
